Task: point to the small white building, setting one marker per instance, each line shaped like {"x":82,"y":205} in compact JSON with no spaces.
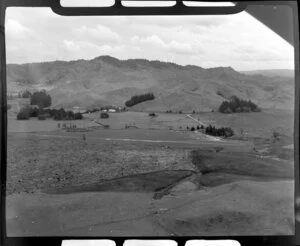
{"x":112,"y":110}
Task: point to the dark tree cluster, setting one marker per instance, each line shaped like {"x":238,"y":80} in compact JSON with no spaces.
{"x":57,"y":114}
{"x":26,"y":94}
{"x":219,"y":132}
{"x":104,"y":115}
{"x":152,"y":114}
{"x":212,"y":130}
{"x":41,"y":99}
{"x":193,"y":128}
{"x":200,"y":127}
{"x":139,"y":99}
{"x":24,"y":114}
{"x":34,"y":112}
{"x":237,"y":105}
{"x":169,"y":111}
{"x":61,"y":114}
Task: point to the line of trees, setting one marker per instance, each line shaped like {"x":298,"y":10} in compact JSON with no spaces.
{"x":57,"y":114}
{"x":238,"y":105}
{"x":139,"y":99}
{"x":212,"y":130}
{"x":104,"y":115}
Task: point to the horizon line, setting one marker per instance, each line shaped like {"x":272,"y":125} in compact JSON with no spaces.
{"x":128,"y":59}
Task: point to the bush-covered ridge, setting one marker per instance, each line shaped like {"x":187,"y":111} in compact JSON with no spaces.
{"x":238,"y":105}
{"x":139,"y":99}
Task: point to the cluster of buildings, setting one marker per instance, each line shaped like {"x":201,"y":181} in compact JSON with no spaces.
{"x":108,"y":109}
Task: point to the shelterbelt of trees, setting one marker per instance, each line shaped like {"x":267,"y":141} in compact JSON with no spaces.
{"x":139,"y":99}
{"x":57,"y":114}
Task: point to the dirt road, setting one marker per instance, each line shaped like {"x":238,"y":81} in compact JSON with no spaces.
{"x":157,"y":137}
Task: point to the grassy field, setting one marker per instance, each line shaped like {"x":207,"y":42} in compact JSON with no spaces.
{"x":244,"y":124}
{"x":41,"y":155}
{"x":151,"y":163}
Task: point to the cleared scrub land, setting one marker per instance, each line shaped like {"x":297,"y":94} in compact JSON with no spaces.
{"x":149,"y":181}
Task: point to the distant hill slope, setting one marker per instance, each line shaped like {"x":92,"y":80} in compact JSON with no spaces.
{"x":107,"y":80}
{"x":289,"y":73}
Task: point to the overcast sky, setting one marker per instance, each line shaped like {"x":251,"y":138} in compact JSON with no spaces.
{"x":239,"y":41}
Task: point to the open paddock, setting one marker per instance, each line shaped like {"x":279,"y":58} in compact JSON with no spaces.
{"x":165,"y":182}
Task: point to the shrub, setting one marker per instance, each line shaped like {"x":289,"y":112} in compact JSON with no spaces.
{"x":198,"y":127}
{"x":237,"y":105}
{"x":60,"y":114}
{"x":41,"y":117}
{"x":276,"y":135}
{"x":23,"y":114}
{"x":78,"y":116}
{"x":69,"y":115}
{"x":152,"y":114}
{"x":139,"y":99}
{"x":104,"y":115}
{"x":192,"y":129}
{"x":26,"y":94}
{"x":34,"y":112}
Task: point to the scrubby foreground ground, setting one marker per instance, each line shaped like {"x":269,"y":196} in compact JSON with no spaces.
{"x":142,"y":182}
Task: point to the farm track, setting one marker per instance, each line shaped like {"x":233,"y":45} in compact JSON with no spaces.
{"x":192,"y":143}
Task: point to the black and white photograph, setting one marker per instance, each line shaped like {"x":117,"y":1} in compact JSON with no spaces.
{"x":155,"y":126}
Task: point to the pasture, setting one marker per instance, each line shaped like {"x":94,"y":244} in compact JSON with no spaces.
{"x":244,"y":124}
{"x":154,"y":164}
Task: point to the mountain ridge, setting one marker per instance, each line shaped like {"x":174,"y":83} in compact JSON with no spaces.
{"x":108,"y":80}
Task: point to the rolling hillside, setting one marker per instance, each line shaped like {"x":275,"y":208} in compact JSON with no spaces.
{"x":107,"y":80}
{"x":288,"y":73}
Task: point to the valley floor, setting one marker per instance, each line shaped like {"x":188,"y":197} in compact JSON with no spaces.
{"x":147,"y":182}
